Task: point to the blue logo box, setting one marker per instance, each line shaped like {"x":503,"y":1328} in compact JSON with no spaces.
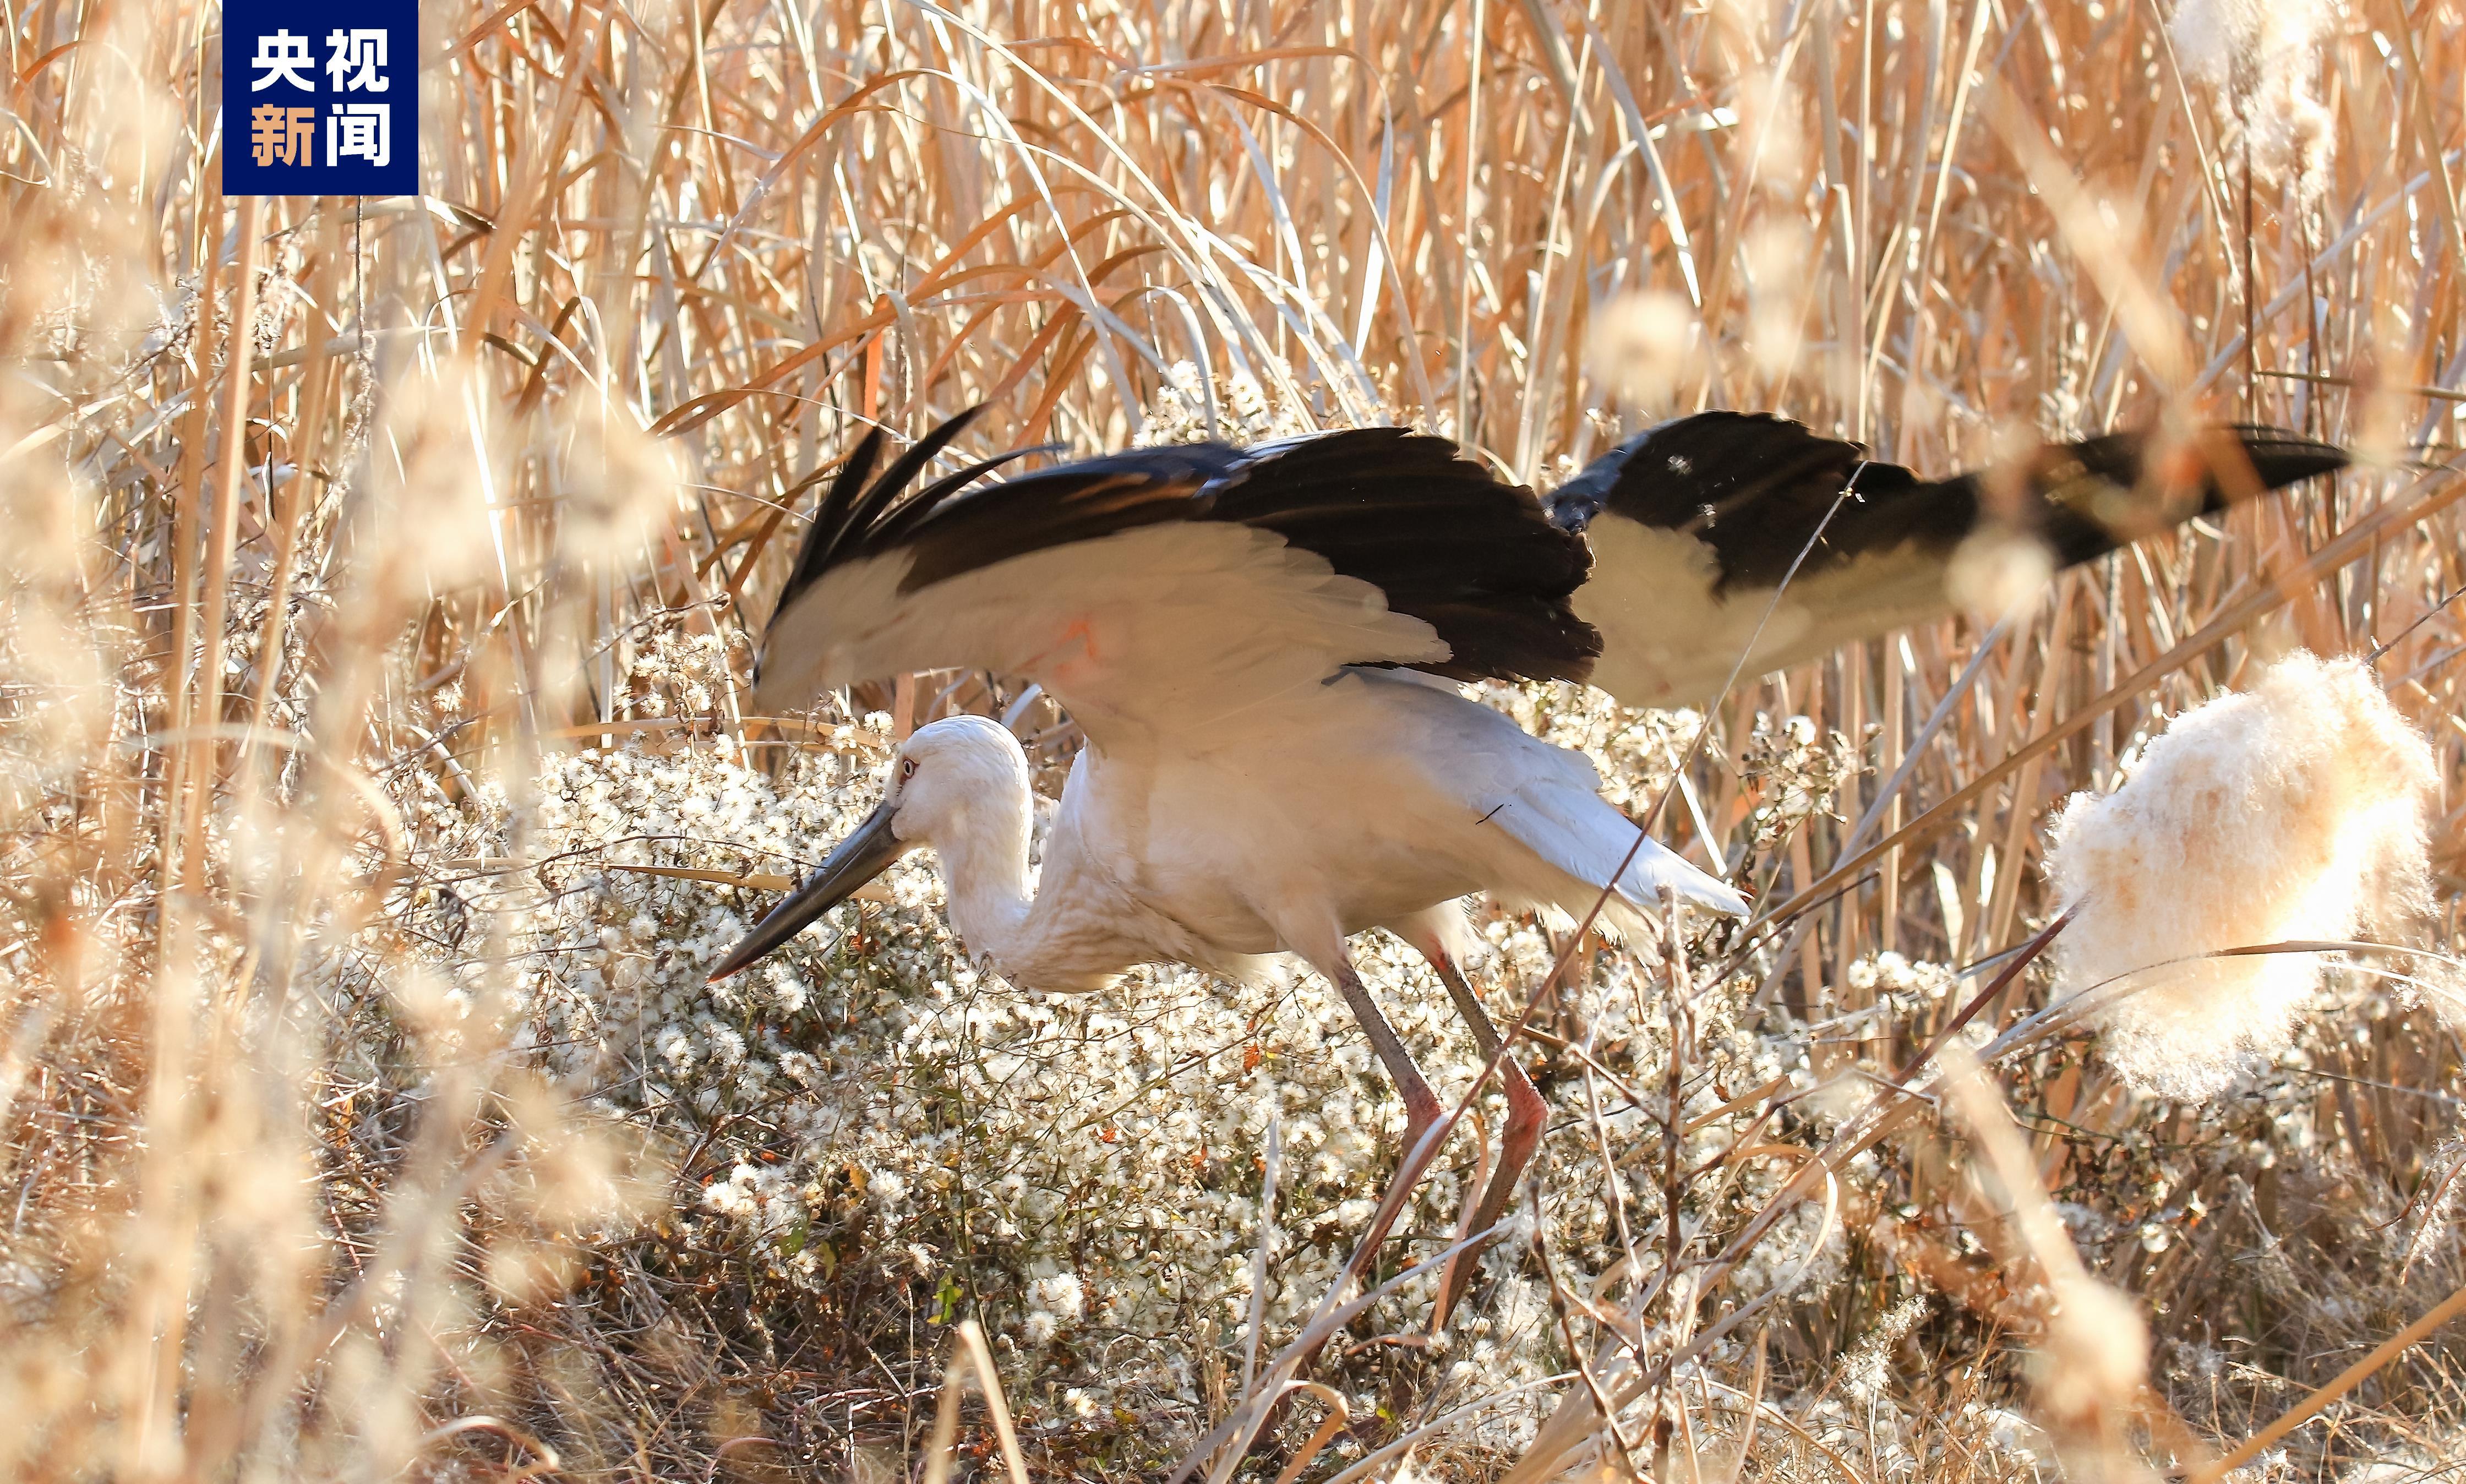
{"x":321,"y":99}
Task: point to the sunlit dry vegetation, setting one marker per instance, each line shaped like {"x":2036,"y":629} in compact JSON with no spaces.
{"x":380,"y":586}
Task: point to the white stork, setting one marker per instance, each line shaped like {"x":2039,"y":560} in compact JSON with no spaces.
{"x":1258,"y":646}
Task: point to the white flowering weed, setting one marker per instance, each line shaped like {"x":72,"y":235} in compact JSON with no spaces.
{"x":2095,"y":1353}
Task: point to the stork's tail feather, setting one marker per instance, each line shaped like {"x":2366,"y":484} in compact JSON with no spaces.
{"x":1657,"y":866}
{"x":1582,"y":836}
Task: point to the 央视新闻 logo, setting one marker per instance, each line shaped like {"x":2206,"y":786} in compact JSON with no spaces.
{"x":321,"y":100}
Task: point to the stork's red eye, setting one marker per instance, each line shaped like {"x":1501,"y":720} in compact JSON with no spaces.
{"x":907,"y":768}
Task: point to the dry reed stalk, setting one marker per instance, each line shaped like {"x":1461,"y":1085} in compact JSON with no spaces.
{"x":214,"y":607}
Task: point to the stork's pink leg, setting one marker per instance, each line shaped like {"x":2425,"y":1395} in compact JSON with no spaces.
{"x":1526,"y":1117}
{"x":1421,"y":1110}
{"x":1421,"y":1104}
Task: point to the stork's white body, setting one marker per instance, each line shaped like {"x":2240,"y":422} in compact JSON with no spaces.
{"x":1370,"y":800}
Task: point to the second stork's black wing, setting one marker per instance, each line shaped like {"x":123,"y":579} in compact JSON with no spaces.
{"x":1695,"y":524}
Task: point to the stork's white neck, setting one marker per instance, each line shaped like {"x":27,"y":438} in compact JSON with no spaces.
{"x":962,"y":789}
{"x":984,"y":851}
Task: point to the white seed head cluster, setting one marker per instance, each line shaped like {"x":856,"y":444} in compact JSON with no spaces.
{"x":1192,"y":407}
{"x":1867,"y":1370}
{"x":1644,"y":345}
{"x":2440,"y":1198}
{"x":676,"y":670}
{"x":1999,"y":572}
{"x":1796,"y":774}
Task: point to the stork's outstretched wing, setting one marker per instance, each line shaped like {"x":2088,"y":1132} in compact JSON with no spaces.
{"x":1695,"y":522}
{"x":1165,"y":590}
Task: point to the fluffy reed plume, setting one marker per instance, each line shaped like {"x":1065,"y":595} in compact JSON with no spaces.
{"x":2091,"y":1356}
{"x":2263,"y":57}
{"x":1997,"y":573}
{"x":2095,"y":1351}
{"x":1642,"y":349}
{"x":2291,"y":812}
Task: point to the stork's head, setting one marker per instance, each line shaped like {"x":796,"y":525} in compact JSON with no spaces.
{"x":955,"y":782}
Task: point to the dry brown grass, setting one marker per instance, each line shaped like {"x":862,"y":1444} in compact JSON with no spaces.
{"x":285,"y":1199}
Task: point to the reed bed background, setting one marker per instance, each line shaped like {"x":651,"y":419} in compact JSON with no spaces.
{"x":380,"y":583}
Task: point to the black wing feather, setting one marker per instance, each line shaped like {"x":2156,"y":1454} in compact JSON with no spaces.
{"x":1476,"y":559}
{"x":833,"y":517}
{"x":1479,"y":561}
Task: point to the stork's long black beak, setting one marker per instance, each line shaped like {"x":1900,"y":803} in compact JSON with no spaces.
{"x":858,"y":859}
